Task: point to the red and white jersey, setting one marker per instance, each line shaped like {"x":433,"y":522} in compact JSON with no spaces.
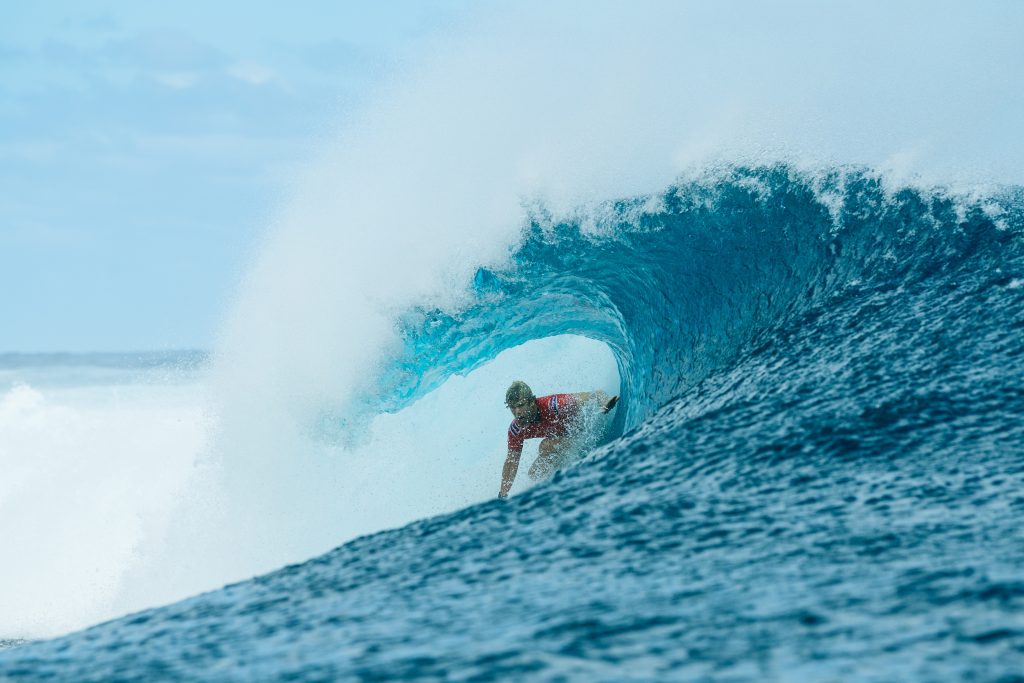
{"x":558,"y":413}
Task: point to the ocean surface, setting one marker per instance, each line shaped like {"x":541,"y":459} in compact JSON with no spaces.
{"x":816,"y":472}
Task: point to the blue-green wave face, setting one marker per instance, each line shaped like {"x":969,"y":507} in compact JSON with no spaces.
{"x":684,"y":283}
{"x":819,"y":454}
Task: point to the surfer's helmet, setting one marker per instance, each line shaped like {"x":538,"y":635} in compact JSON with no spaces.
{"x":518,"y":394}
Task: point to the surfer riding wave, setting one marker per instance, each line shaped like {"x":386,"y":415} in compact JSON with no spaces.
{"x":557,"y":419}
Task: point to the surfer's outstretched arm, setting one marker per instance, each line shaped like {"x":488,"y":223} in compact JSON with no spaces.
{"x":508,"y":473}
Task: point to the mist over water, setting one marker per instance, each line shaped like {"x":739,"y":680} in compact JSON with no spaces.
{"x":98,"y":460}
{"x":517,"y":112}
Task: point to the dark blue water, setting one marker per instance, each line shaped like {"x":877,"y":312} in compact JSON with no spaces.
{"x":817,"y":473}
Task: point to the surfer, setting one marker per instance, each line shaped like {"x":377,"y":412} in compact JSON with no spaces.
{"x":556,"y":418}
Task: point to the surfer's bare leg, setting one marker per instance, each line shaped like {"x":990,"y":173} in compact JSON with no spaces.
{"x":551,"y":451}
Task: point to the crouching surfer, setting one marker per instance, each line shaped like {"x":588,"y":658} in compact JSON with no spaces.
{"x":558,"y":419}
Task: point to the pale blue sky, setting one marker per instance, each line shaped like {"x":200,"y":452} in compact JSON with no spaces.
{"x":143,"y":146}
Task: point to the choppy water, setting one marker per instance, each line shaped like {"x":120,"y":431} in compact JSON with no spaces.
{"x":816,"y":473}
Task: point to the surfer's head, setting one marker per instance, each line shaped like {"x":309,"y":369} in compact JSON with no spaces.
{"x":520,"y":400}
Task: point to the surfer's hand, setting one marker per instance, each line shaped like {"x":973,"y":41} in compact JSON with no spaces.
{"x":610,"y":404}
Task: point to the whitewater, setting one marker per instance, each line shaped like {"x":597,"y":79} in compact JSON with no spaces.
{"x":811,"y":307}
